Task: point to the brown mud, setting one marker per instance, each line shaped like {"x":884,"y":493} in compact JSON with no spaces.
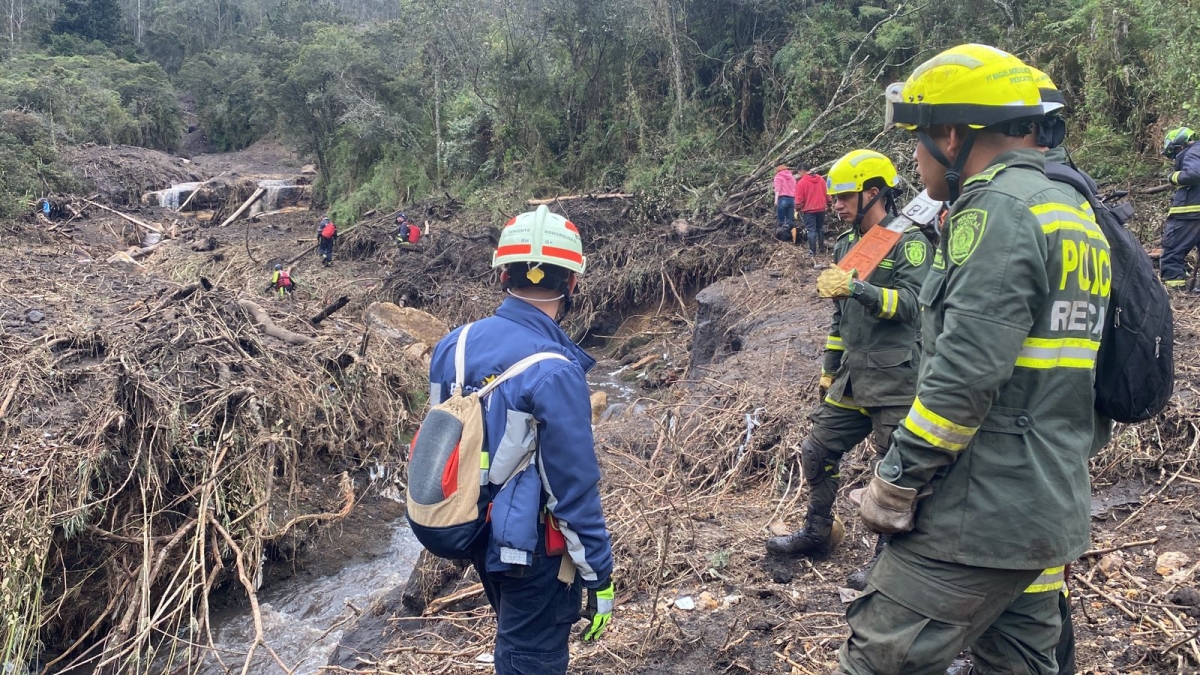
{"x":693,"y":484}
{"x":166,"y":454}
{"x":117,"y":373}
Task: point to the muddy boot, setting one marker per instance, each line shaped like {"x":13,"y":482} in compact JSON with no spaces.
{"x":858,"y":579}
{"x":813,"y":540}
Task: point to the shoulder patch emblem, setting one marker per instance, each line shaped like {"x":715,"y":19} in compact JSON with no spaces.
{"x":914,"y":252}
{"x":966,"y":229}
{"x":987,"y":175}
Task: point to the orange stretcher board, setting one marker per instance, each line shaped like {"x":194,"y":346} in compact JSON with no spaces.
{"x":875,"y":245}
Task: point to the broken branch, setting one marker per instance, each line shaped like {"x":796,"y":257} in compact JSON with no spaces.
{"x":566,"y":198}
{"x":333,"y":307}
{"x":129,"y":218}
{"x":441,"y":603}
{"x":245,"y":205}
{"x":261,"y":317}
{"x":1133,"y":544}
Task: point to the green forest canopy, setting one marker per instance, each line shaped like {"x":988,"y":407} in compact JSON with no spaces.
{"x":399,"y":98}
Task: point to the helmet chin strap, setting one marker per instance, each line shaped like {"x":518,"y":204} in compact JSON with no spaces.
{"x":862,"y":209}
{"x":953,"y":170}
{"x":567,"y":298}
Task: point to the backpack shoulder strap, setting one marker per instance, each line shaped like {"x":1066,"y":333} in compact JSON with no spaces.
{"x":1061,"y":173}
{"x":518,"y":368}
{"x":460,"y":360}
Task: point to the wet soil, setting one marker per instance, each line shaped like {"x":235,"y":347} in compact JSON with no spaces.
{"x":693,"y":476}
{"x":691,"y":528}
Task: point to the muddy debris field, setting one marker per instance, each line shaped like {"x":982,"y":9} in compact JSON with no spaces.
{"x":176,"y":439}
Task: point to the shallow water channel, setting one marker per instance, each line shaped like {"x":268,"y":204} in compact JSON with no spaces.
{"x":305,"y":615}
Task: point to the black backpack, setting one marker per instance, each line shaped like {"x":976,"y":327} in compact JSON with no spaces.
{"x":1135,"y":367}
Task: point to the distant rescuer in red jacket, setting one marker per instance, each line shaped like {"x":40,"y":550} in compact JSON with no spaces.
{"x":811,"y":204}
{"x":785,"y":204}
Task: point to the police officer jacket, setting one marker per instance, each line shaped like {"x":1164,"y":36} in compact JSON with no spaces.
{"x":1185,"y":203}
{"x":873,"y":343}
{"x":999,"y":435}
{"x":547,"y":409}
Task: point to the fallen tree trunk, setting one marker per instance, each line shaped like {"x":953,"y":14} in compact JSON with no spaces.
{"x":566,"y":198}
{"x":184,"y":292}
{"x":1154,"y":190}
{"x":261,"y":317}
{"x":333,"y":307}
{"x":144,"y":251}
{"x":129,"y":218}
{"x":245,"y":205}
{"x":196,"y":192}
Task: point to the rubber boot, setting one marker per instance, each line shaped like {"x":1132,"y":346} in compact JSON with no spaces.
{"x":813,"y":540}
{"x":858,"y":579}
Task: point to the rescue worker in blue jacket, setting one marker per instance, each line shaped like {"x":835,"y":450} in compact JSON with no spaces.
{"x":1182,"y":231}
{"x":547,"y":540}
{"x":326,"y":234}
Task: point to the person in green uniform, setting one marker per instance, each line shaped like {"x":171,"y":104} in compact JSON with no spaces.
{"x":986,"y":484}
{"x":1049,"y":135}
{"x":869,"y":372}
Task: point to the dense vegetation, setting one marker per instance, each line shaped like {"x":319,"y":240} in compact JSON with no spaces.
{"x":398,"y":99}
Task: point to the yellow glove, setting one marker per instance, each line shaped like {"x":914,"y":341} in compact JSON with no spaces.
{"x":825,"y":383}
{"x":835,"y":283}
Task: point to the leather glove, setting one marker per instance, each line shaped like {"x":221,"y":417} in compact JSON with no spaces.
{"x":599,"y":610}
{"x":886,"y":508}
{"x":835,"y":283}
{"x":825,"y":383}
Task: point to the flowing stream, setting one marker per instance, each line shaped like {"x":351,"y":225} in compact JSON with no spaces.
{"x":304,"y":615}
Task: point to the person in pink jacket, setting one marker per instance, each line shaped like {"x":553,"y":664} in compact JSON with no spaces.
{"x":785,"y":204}
{"x":811,"y":204}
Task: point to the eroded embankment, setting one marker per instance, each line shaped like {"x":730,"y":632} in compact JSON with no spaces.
{"x":164,"y":446}
{"x":696,"y":479}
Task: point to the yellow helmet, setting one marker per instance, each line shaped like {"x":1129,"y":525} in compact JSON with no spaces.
{"x":970,"y":84}
{"x":1052,"y":98}
{"x":540,"y":237}
{"x":852,"y":171}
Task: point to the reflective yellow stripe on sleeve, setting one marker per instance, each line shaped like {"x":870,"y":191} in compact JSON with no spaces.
{"x":937,"y":430}
{"x":1175,"y":178}
{"x":1050,"y":580}
{"x":889,"y":300}
{"x":833,"y":343}
{"x":1176,"y":210}
{"x":1054,"y":216}
{"x":1044,"y":353}
{"x":847,"y":404}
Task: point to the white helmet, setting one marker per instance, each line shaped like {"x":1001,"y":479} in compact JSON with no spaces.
{"x":541,"y":237}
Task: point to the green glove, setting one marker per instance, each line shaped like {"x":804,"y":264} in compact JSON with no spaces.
{"x":599,"y":610}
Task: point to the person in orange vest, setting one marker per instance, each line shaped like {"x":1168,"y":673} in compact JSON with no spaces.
{"x":326,"y":233}
{"x":281,"y":281}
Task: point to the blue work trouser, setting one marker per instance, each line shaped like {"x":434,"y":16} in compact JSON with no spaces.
{"x":325,"y":246}
{"x":1179,"y":238}
{"x":785,"y":212}
{"x":534,"y":614}
{"x":815,"y":224}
